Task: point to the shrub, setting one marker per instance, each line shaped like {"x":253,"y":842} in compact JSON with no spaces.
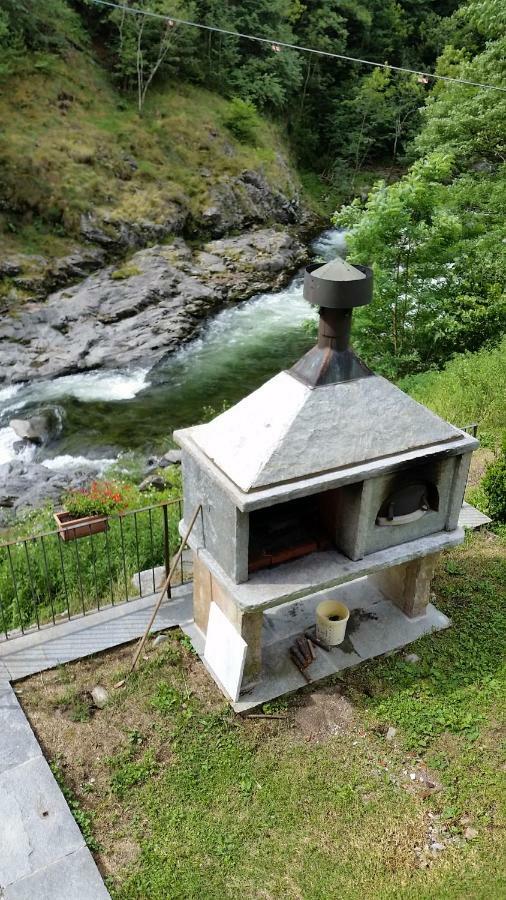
{"x":494,"y":486}
{"x":242,"y":120}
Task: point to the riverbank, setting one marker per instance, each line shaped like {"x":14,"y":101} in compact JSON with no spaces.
{"x":144,"y":309}
{"x":109,"y":412}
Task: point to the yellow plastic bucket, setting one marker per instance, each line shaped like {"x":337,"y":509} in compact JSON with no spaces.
{"x":331,"y":621}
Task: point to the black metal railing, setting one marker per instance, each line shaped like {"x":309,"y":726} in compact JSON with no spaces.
{"x":471,"y":429}
{"x":48,"y":577}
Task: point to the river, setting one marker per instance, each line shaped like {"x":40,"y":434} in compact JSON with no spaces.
{"x":106,"y":413}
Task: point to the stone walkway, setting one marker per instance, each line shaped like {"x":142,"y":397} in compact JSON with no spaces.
{"x":43,"y":855}
{"x":470,"y":517}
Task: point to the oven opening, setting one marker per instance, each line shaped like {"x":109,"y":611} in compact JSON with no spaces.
{"x":287,"y":531}
{"x":407,"y":503}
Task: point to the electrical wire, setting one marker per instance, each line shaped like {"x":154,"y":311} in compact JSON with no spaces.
{"x":277,"y":45}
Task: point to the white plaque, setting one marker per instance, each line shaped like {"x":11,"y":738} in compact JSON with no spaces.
{"x":225,"y":652}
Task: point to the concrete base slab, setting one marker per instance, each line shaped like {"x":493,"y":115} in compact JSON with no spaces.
{"x":321,"y":571}
{"x":375,"y":627}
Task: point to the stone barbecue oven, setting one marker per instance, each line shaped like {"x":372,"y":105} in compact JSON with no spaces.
{"x":325,"y":474}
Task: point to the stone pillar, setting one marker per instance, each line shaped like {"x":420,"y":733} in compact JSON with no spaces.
{"x":408,"y":585}
{"x":206,"y":589}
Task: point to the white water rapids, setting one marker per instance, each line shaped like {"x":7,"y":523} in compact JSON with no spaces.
{"x":253,"y":333}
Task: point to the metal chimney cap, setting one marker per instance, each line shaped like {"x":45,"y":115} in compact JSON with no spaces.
{"x":338,"y":285}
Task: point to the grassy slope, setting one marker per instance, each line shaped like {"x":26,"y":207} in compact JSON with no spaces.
{"x":469,"y":389}
{"x":189,"y":801}
{"x":67,"y":138}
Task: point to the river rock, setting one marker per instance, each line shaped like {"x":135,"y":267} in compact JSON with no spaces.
{"x":100,"y":696}
{"x":37,"y":430}
{"x":28,"y":485}
{"x":171,"y":458}
{"x":152,"y":481}
{"x":247,"y":200}
{"x":160,"y":300}
{"x":116,"y":234}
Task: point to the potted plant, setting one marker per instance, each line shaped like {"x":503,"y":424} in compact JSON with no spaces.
{"x":86,"y":509}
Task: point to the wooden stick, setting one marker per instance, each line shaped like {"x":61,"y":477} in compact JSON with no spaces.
{"x":164,"y":589}
{"x":300,"y":668}
{"x":264,"y":716}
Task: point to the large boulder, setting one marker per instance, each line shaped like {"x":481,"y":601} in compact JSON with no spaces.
{"x":25,"y":486}
{"x":247,"y":200}
{"x":38,"y":429}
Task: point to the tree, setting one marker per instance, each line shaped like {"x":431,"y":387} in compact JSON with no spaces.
{"x":436,"y":238}
{"x":377,"y":118}
{"x":36,"y":27}
{"x":147,"y":47}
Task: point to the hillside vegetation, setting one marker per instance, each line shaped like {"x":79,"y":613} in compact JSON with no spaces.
{"x":469,"y":389}
{"x":436,"y":238}
{"x":72,"y":147}
{"x":126,"y":119}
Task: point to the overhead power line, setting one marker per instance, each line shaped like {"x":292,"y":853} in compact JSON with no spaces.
{"x":276,"y":45}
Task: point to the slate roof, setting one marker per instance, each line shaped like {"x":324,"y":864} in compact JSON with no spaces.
{"x":286,"y":430}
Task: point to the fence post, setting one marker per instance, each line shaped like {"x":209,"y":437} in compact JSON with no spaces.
{"x":166,"y":544}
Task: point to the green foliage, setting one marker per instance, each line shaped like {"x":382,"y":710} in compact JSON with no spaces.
{"x":126,"y":271}
{"x":242,"y":120}
{"x":128,"y":771}
{"x":83,"y":818}
{"x":494,"y":487}
{"x":166,"y":698}
{"x":466,"y":391}
{"x":146,"y":48}
{"x":36,"y":27}
{"x":436,"y":237}
{"x":379,"y":113}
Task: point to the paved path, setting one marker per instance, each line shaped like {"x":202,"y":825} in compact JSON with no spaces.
{"x":82,"y":636}
{"x":43,"y":852}
{"x":43,"y":855}
{"x":470,"y":517}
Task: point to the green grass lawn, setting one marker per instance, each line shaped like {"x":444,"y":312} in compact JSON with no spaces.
{"x":187,"y":800}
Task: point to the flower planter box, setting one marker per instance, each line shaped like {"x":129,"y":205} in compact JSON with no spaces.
{"x":70,"y":529}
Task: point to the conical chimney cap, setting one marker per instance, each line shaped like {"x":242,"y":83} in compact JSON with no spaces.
{"x":338,"y":285}
{"x":339,"y":270}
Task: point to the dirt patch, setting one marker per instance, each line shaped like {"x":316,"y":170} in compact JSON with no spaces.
{"x":324,"y":713}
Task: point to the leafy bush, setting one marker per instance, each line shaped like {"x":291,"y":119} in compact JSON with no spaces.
{"x":242,"y":120}
{"x":494,"y":487}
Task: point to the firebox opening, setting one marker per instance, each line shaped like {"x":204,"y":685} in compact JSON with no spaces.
{"x":287,"y":531}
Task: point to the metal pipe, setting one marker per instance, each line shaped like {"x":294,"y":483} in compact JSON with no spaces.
{"x":334,"y":328}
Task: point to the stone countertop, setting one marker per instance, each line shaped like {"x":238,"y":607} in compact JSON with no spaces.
{"x":320,"y":571}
